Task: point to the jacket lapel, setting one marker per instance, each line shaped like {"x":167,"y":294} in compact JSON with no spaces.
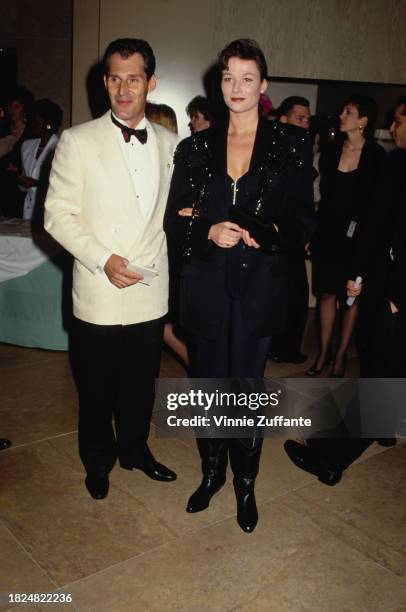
{"x":261,"y":143}
{"x":163,"y":164}
{"x":156,"y":154}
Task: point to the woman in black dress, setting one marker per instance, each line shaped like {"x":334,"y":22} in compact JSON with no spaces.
{"x":234,"y":285}
{"x":349,"y":168}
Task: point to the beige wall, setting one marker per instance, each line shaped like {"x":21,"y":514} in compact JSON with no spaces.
{"x":41,"y":32}
{"x":317,"y":39}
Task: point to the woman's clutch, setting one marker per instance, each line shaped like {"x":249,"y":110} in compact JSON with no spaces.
{"x":264,"y":233}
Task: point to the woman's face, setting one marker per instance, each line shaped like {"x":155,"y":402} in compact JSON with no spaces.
{"x":16,"y":111}
{"x":38,"y":127}
{"x":241,"y":85}
{"x":350,"y":120}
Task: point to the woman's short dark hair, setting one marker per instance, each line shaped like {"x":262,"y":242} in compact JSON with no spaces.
{"x":367,"y":107}
{"x":50,"y":112}
{"x":245,"y":49}
{"x":126,"y":47}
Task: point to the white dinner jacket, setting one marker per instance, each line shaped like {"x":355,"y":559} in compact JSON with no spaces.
{"x":91,"y":208}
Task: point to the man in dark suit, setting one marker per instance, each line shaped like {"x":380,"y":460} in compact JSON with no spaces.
{"x":286,"y":346}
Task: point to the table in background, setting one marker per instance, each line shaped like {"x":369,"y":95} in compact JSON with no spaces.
{"x":35,"y":300}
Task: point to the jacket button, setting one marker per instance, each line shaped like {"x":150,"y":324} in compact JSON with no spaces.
{"x":244,"y":265}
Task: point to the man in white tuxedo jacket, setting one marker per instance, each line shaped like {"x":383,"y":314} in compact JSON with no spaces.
{"x":105,"y":204}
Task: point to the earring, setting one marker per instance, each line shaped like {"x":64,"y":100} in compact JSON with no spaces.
{"x":361,"y":128}
{"x":48,"y":127}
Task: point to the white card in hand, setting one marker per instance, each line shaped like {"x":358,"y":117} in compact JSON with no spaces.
{"x":148,"y":273}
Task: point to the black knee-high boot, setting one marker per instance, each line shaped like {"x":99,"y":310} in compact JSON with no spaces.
{"x":213,"y":452}
{"x":244,"y":460}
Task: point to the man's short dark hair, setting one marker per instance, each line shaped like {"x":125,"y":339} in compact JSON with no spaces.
{"x":199,"y":104}
{"x":126,"y":47}
{"x":246,"y":49}
{"x":401,"y":102}
{"x":287,"y":105}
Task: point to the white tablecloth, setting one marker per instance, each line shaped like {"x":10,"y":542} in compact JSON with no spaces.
{"x":19,"y":252}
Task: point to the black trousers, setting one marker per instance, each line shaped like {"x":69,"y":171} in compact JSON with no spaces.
{"x":289,"y":342}
{"x":115,"y":367}
{"x":235,"y":353}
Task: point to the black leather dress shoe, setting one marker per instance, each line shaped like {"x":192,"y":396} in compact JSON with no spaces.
{"x":209,"y":486}
{"x":306,"y":460}
{"x":98,"y":486}
{"x":4,"y":443}
{"x":151,"y":468}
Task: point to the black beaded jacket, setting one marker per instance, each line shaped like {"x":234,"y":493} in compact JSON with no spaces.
{"x":277,"y":187}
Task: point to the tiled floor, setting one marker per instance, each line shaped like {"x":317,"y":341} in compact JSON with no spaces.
{"x":315,"y":548}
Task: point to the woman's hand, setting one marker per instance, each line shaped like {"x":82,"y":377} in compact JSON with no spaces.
{"x":393,"y":308}
{"x":353,"y":290}
{"x":225,"y":234}
{"x":248,"y":240}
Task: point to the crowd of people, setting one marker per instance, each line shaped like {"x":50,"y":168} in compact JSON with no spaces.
{"x":28,"y":138}
{"x":237,"y":205}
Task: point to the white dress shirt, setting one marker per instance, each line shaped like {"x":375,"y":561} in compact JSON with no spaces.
{"x":139,"y":162}
{"x":138,"y":158}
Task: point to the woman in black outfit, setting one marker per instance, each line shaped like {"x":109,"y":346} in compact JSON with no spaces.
{"x":348,"y":168}
{"x":381,"y":261}
{"x":233,"y":281}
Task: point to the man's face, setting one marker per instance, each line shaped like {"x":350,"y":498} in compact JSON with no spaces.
{"x":299,"y":115}
{"x":127,"y":86}
{"x":398,"y":127}
{"x":198,"y":122}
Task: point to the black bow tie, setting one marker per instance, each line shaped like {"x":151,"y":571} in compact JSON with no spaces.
{"x":127,"y":132}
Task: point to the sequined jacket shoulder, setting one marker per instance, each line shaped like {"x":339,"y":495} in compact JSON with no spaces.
{"x":278,"y":182}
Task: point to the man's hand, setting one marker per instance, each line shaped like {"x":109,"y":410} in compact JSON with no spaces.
{"x":225,"y":234}
{"x":353,"y":290}
{"x":26,"y":181}
{"x":118,"y":274}
{"x":249,"y":241}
